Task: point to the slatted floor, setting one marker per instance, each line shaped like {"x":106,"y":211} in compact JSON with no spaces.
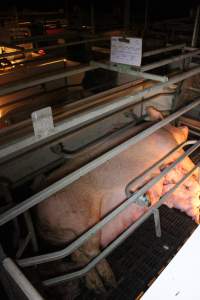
{"x":140,"y":259}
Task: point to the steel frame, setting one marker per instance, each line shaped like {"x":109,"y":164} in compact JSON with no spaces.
{"x":131,"y":198}
{"x":22,"y":146}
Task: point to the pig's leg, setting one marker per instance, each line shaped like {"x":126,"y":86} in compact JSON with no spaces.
{"x":102,"y":274}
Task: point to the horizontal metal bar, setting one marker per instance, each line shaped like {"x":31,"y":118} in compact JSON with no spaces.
{"x":41,"y":196}
{"x":22,"y":282}
{"x":53,"y":47}
{"x":119,"y":240}
{"x":164,"y":49}
{"x":129,"y":70}
{"x":147,"y":53}
{"x":14,"y":87}
{"x":169,"y":61}
{"x":13,"y":150}
{"x":78,"y":242}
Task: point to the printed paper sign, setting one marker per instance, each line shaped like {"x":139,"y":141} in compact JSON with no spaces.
{"x":126,"y":51}
{"x":42,"y":122}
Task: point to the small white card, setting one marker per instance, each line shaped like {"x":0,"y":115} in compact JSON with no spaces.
{"x":42,"y":122}
{"x":126,"y":51}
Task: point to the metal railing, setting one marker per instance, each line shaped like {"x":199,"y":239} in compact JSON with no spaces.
{"x":127,"y":202}
{"x":20,"y":147}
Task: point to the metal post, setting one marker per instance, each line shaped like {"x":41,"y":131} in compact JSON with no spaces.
{"x":18,"y":277}
{"x":196,"y":28}
{"x":156,"y":215}
{"x":21,"y":281}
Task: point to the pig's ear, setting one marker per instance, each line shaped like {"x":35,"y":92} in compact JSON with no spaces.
{"x":154,"y":114}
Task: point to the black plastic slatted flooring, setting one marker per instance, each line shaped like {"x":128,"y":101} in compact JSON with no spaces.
{"x":138,"y":261}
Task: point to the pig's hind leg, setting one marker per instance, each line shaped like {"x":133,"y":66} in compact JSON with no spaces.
{"x":102,"y":273}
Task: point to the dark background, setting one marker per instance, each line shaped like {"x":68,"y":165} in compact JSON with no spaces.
{"x":157,"y":9}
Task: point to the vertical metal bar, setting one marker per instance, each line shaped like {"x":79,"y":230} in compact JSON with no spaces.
{"x":156,"y":215}
{"x":196,"y":28}
{"x":31,"y":229}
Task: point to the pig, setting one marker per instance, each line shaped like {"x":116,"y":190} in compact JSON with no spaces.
{"x":70,"y":212}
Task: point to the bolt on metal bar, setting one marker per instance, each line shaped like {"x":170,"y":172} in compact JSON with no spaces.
{"x":78,"y":242}
{"x":129,"y":70}
{"x":119,"y":240}
{"x":20,"y":147}
{"x":169,"y":61}
{"x":49,"y":191}
{"x":164,"y":49}
{"x":10,"y":88}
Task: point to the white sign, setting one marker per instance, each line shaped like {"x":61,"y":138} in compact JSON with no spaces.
{"x":126,"y":51}
{"x":42,"y":122}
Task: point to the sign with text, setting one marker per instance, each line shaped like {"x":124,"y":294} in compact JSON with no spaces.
{"x":126,"y":51}
{"x":42,"y":122}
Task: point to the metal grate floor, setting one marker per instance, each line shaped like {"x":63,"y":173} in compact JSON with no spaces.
{"x":137,"y":263}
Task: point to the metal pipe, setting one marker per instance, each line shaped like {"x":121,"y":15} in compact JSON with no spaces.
{"x":168,"y":61}
{"x":196,"y":28}
{"x":123,"y":102}
{"x":22,"y":282}
{"x":129,"y":70}
{"x":119,"y":240}
{"x":66,"y":153}
{"x":161,"y":50}
{"x":53,"y":47}
{"x":78,"y":242}
{"x":10,"y":88}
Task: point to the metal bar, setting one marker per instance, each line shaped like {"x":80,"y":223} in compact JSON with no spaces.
{"x":23,"y":245}
{"x":123,"y":102}
{"x":78,"y":242}
{"x":31,"y":230}
{"x":164,"y":49}
{"x":65,"y":153}
{"x":10,"y":88}
{"x":22,"y":282}
{"x":154,"y":166}
{"x":119,"y":240}
{"x":147,"y":53}
{"x":169,"y":61}
{"x":156,"y":215}
{"x":53,"y":47}
{"x":196,"y":28}
{"x":129,"y":70}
